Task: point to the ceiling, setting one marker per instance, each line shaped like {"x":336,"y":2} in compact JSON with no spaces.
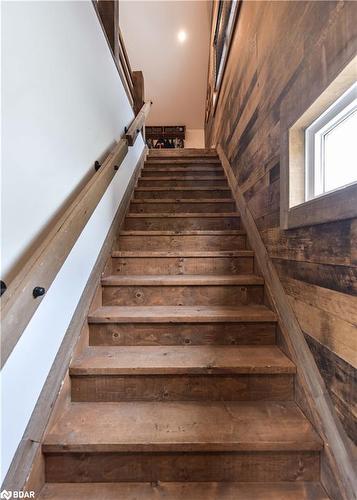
{"x":175,"y":73}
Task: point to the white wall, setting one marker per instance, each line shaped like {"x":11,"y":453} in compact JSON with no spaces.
{"x":63,"y":105}
{"x":195,"y":138}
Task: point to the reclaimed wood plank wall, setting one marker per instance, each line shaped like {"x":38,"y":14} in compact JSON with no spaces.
{"x":282,"y":55}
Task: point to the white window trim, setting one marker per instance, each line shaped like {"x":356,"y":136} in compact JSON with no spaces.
{"x":335,"y":205}
{"x":314,"y":142}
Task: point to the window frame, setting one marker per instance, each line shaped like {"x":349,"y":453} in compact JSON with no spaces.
{"x":315,"y":135}
{"x":217,"y":65}
{"x":295,"y":117}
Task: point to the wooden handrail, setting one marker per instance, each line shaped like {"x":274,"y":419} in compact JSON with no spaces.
{"x":137,"y":124}
{"x":18,"y":303}
{"x":337,"y":447}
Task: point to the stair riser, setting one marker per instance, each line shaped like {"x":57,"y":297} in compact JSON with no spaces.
{"x":183,"y":162}
{"x":146,"y":182}
{"x":182,"y":265}
{"x":167,"y":165}
{"x":116,"y":334}
{"x":181,"y":223}
{"x":221,"y":295}
{"x":182,"y":207}
{"x":112,"y":388}
{"x":189,"y":172}
{"x":179,"y":194}
{"x":121,"y":467}
{"x":185,"y":242}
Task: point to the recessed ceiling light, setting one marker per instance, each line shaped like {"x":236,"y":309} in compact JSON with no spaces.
{"x":182,"y":36}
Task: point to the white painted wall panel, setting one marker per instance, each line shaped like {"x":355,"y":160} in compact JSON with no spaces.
{"x":194,"y":138}
{"x":63,"y":105}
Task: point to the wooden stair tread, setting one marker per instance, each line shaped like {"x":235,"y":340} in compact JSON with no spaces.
{"x":183,"y":161}
{"x":181,"y":427}
{"x":181,"y":360}
{"x":182,"y":253}
{"x":299,"y":490}
{"x":181,"y":314}
{"x":182,"y":280}
{"x":155,"y":167}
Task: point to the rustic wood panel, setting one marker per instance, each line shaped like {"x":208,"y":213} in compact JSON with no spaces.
{"x":174,"y":241}
{"x":182,"y":295}
{"x":138,"y":90}
{"x":181,"y":206}
{"x":181,"y":222}
{"x":183,"y":388}
{"x":338,"y":335}
{"x":283,"y":55}
{"x":337,"y":452}
{"x":181,"y":334}
{"x":182,"y":264}
{"x":137,"y":124}
{"x":341,"y":381}
{"x":107,"y":11}
{"x":189,"y":181}
{"x":341,"y":279}
{"x":164,"y":193}
{"x":324,"y":243}
{"x":247,"y":466}
{"x":342,"y":305}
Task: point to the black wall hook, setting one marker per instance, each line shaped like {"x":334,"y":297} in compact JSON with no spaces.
{"x":38,"y":291}
{"x":2,"y":287}
{"x":97,"y":165}
{"x":116,"y":167}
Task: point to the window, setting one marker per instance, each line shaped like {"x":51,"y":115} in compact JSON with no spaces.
{"x":318,"y":150}
{"x":225,"y":19}
{"x":331,"y":147}
{"x":225,"y":14}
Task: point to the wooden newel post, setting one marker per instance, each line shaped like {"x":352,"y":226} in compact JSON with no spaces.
{"x":138,"y":90}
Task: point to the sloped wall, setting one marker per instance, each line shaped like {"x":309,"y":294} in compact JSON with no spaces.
{"x":63,"y":106}
{"x":284,"y":53}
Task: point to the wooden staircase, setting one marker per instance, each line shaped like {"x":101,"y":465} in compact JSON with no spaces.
{"x":182,"y":392}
